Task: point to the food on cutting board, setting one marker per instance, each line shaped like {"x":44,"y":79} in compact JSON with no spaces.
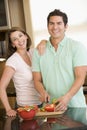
{"x":29,"y":112}
{"x":49,"y":107}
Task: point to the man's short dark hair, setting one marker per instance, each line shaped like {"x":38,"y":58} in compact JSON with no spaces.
{"x":57,"y":12}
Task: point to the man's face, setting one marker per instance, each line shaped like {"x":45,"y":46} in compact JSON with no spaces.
{"x":56,"y":27}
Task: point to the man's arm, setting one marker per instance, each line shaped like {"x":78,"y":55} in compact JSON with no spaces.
{"x":39,"y":86}
{"x":80,"y":74}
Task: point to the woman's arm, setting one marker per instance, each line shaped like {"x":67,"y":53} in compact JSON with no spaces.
{"x":41,"y":47}
{"x":5,"y":79}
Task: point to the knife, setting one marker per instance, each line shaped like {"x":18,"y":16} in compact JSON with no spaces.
{"x":46,"y":102}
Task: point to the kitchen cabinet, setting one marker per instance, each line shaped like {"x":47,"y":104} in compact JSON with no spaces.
{"x":10,"y":88}
{"x":16,"y":13}
{"x":16,"y":16}
{"x":12,"y":14}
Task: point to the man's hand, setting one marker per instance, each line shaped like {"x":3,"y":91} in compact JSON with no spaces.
{"x":62,"y":103}
{"x":45,"y":97}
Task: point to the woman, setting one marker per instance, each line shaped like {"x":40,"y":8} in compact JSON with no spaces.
{"x":18,"y":68}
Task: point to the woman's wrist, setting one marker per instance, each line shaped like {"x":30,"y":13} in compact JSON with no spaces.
{"x":8,"y":110}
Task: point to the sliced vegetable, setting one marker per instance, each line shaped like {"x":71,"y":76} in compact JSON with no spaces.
{"x":27,"y":108}
{"x":42,"y":109}
{"x":27,"y":112}
{"x":49,"y":107}
{"x":27,"y":115}
{"x":55,"y":101}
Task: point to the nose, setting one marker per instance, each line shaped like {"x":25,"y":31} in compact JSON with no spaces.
{"x":19,"y":39}
{"x":55,"y":26}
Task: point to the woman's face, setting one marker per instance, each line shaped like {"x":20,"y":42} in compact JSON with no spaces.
{"x":19,"y":40}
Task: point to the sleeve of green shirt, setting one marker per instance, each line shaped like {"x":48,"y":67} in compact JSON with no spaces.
{"x":35,"y":61}
{"x":80,"y":55}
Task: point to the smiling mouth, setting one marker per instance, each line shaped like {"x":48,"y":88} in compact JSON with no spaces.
{"x":21,"y":43}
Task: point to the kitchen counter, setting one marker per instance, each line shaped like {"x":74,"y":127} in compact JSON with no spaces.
{"x":72,"y":119}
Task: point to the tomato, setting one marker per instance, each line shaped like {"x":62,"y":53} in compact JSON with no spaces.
{"x":27,"y":112}
{"x":50,"y":107}
{"x":27,"y":115}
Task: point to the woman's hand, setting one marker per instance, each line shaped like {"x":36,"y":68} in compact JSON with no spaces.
{"x":41,"y":47}
{"x":11,"y":113}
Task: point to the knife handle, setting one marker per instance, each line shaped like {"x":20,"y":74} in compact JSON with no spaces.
{"x":47,"y":101}
{"x":56,"y":103}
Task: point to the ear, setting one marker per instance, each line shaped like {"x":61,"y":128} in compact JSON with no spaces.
{"x":66,"y":26}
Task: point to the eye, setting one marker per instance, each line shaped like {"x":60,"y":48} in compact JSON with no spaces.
{"x":13,"y":40}
{"x":59,"y":23}
{"x":51,"y":23}
{"x":20,"y":35}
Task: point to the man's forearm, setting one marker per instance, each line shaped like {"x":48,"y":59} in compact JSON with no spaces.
{"x":75,"y":87}
{"x":40,"y":88}
{"x":80,"y":74}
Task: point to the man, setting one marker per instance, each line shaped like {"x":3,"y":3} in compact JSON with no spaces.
{"x":60,"y":72}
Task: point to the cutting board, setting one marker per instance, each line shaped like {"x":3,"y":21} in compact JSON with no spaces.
{"x":44,"y":114}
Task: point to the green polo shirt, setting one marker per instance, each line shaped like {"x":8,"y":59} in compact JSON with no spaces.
{"x":57,"y":68}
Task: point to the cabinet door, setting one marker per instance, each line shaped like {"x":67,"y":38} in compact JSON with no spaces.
{"x":4,"y":15}
{"x":17,"y":13}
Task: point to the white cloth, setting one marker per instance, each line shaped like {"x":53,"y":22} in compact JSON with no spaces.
{"x":26,"y":94}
